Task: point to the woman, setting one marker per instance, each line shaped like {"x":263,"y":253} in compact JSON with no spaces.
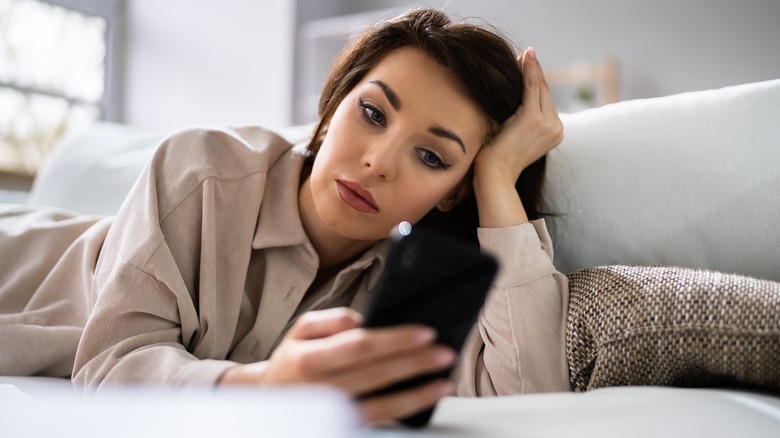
{"x":238,"y":259}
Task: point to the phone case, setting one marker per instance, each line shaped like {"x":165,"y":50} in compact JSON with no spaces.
{"x":434,"y":280}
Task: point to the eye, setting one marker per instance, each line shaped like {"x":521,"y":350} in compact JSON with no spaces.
{"x":431,"y":160}
{"x":372,"y":114}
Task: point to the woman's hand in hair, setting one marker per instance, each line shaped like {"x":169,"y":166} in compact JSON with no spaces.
{"x":330,"y":347}
{"x":532,"y":131}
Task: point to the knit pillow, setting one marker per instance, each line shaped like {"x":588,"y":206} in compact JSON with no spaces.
{"x":669,"y":326}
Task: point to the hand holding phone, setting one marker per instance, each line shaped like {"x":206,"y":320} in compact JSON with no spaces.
{"x":435,"y":280}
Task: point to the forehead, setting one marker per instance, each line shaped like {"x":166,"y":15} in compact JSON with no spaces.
{"x":427,"y":90}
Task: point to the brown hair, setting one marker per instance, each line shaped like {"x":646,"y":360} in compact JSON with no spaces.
{"x":481,"y":59}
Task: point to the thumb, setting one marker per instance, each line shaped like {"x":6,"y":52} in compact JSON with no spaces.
{"x":324,"y":323}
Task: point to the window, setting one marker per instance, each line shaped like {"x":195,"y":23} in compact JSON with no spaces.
{"x":59,"y":72}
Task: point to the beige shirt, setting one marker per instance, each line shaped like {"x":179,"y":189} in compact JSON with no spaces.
{"x":206,"y":266}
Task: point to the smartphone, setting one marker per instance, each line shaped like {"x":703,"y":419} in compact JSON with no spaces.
{"x":435,"y":280}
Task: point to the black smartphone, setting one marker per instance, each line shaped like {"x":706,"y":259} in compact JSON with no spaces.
{"x":435,"y":280}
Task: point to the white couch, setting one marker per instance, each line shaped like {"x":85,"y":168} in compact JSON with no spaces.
{"x":687,"y":180}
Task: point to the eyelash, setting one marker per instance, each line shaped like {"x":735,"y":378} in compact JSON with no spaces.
{"x":366,"y":108}
{"x":367,"y":111}
{"x":438,"y":164}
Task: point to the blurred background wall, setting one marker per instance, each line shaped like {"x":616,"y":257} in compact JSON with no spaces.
{"x":163,"y":65}
{"x":65,"y":64}
{"x":244,"y":61}
{"x":208,"y":62}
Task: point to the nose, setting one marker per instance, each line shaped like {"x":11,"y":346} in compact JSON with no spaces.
{"x":381,"y":158}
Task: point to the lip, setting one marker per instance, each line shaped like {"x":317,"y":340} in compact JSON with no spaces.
{"x":354,"y":195}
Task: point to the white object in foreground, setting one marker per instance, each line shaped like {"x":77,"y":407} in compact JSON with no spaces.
{"x":291,"y":412}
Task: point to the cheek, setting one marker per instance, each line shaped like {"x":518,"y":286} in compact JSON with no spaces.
{"x":333,"y":157}
{"x":340,"y":139}
{"x":420,"y":197}
{"x":328,"y":155}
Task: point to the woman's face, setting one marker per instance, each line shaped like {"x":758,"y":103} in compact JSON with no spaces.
{"x":397,"y":146}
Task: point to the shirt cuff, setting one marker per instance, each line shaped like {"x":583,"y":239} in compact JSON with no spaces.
{"x":202,"y":372}
{"x":521,"y":252}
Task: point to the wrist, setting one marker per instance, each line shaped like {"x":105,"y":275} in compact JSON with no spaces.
{"x":253,"y":373}
{"x":490,"y":179}
{"x":498,"y":203}
{"x":495,"y":167}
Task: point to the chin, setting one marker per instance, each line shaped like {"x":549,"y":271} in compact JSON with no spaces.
{"x":361,"y":233}
{"x":357,"y":231}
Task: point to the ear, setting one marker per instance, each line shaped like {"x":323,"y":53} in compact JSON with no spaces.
{"x":453,"y":198}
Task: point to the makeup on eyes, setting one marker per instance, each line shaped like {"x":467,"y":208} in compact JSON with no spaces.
{"x":372,"y":114}
{"x":440,"y":163}
{"x":369,"y":111}
{"x":390,"y":95}
{"x":395,"y":102}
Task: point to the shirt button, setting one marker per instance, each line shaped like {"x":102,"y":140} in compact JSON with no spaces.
{"x":290,"y":293}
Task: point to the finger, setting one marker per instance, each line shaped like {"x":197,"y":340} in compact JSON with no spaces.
{"x":546,"y":102}
{"x":355,"y":348}
{"x":534,"y":68}
{"x":323,"y":323}
{"x":545,"y":96}
{"x":394,"y":369}
{"x":531,"y":79}
{"x":404,"y":403}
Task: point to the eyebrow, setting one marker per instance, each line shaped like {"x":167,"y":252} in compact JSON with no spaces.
{"x":389,"y":93}
{"x":446,"y":133}
{"x":395,"y":102}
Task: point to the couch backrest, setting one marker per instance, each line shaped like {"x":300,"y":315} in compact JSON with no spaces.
{"x":689,"y":180}
{"x":93,"y":171}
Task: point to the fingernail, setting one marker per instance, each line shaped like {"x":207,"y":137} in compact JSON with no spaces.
{"x":445,"y":389}
{"x":444,"y":357}
{"x":424,"y":336}
{"x":532,"y":53}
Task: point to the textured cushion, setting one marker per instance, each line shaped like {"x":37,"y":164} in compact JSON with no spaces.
{"x":685,"y":180}
{"x":671,"y":326}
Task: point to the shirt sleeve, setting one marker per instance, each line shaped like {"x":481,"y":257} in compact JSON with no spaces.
{"x":162,"y":312}
{"x":137,"y":334}
{"x":518,"y":345}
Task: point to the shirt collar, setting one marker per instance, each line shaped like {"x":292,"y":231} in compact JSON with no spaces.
{"x":279,"y":223}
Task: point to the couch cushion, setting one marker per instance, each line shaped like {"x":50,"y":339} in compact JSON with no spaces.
{"x":36,"y":387}
{"x":688,"y":180}
{"x":669,"y":326}
{"x":92,"y":172}
{"x":636,"y":412}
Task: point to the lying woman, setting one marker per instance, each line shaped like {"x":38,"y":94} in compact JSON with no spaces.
{"x":239,"y":258}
